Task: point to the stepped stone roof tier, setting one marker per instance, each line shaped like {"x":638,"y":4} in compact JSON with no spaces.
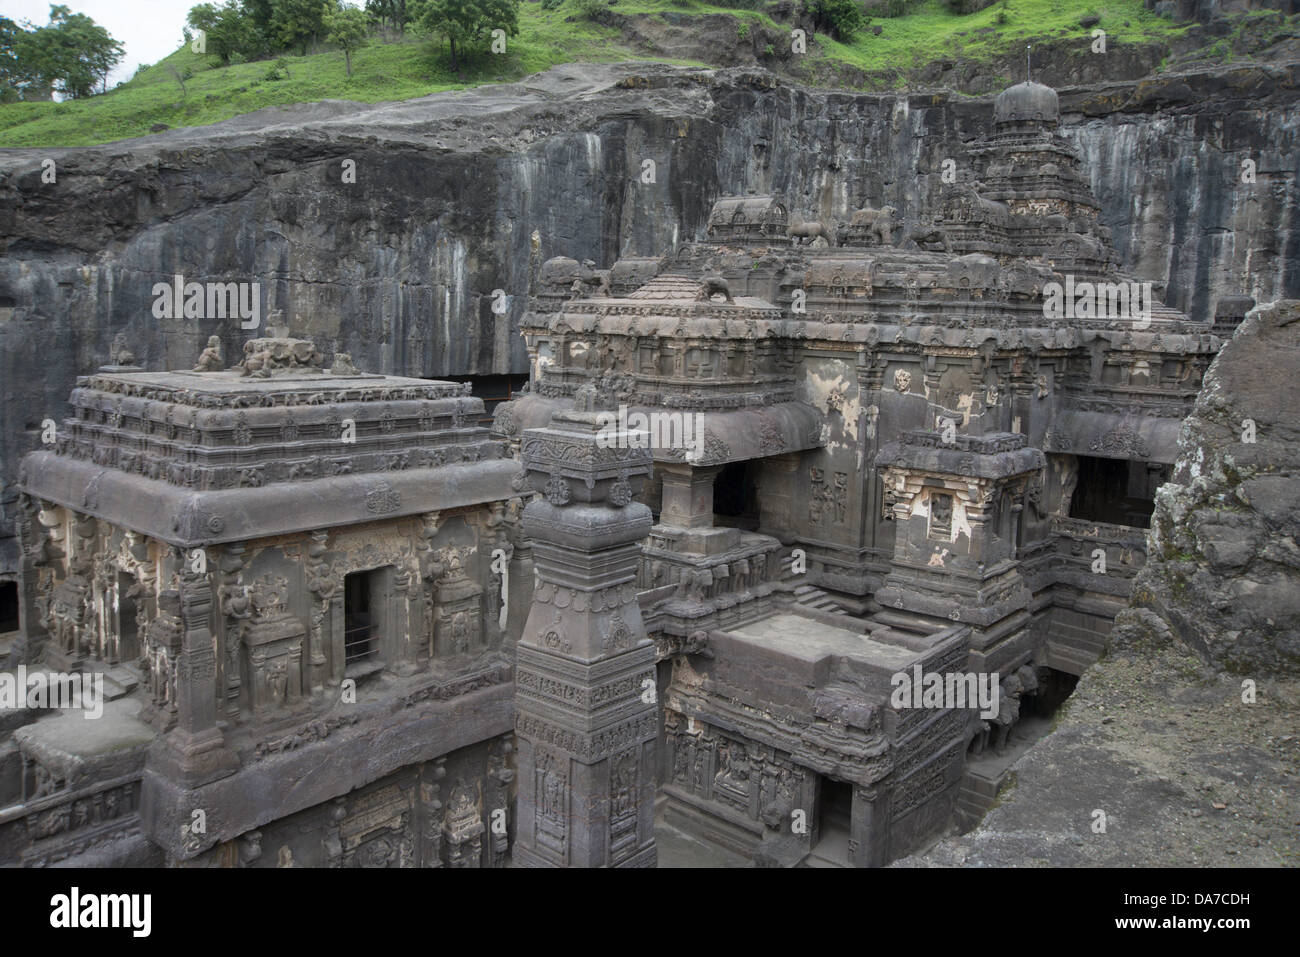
{"x":996,"y":455}
{"x":206,"y":457}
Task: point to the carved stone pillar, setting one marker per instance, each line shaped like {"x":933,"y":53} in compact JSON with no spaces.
{"x":585,"y":701}
{"x":400,"y":616}
{"x":498,"y":804}
{"x":463,"y":828}
{"x":320,"y":580}
{"x":431,"y":815}
{"x":195,"y":751}
{"x":687,"y":495}
{"x":869,"y":828}
{"x":234,"y":612}
{"x":33,"y":543}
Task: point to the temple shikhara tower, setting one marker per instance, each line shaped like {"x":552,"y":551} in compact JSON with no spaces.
{"x":753,"y":479}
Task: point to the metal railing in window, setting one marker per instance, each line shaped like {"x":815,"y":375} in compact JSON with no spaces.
{"x":358,"y":644}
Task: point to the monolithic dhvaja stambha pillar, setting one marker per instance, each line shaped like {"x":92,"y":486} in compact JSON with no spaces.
{"x":585,"y":699}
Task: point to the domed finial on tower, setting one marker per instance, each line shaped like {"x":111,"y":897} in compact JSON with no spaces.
{"x":1027,"y":103}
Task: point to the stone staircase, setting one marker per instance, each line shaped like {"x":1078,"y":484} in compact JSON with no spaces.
{"x":820,"y":856}
{"x":808,"y":595}
{"x":979,"y":790}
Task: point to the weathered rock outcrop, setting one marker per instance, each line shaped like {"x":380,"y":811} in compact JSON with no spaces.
{"x":457,"y":195}
{"x":1223,"y":569}
{"x":1154,"y":762}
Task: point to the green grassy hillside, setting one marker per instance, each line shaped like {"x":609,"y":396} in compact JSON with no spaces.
{"x":188,"y":90}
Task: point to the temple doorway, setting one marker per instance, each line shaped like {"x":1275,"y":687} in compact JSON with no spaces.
{"x":834,"y":814}
{"x":735,"y":496}
{"x":128,"y":645}
{"x":360,"y":638}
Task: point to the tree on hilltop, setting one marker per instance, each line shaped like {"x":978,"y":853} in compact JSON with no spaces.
{"x":467,"y":24}
{"x":346,"y":27}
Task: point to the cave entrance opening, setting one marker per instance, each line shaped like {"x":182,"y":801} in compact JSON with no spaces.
{"x":492,"y":389}
{"x":735,"y":496}
{"x":1117,"y":491}
{"x":999,"y":743}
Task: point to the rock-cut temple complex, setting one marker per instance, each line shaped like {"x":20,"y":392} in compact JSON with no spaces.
{"x":341,"y":622}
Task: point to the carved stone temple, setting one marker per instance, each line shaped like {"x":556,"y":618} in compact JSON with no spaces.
{"x":340,"y":622}
{"x":284,"y":573}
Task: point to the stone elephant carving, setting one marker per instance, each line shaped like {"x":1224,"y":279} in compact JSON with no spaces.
{"x":878,"y":223}
{"x":805,"y":233}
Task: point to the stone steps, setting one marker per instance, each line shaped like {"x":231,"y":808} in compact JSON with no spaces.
{"x":814,"y":860}
{"x":810,"y":596}
{"x":118,"y":683}
{"x":976,"y":795}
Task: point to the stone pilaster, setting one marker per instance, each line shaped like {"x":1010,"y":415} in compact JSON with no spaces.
{"x":585,"y":680}
{"x":33,"y":544}
{"x":194,"y":753}
{"x":687,"y":495}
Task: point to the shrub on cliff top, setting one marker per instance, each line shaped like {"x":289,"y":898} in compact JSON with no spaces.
{"x":841,"y":18}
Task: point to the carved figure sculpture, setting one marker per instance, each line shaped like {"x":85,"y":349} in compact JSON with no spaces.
{"x":122,"y":355}
{"x":1008,"y":711}
{"x":343,"y":365}
{"x":880,"y":222}
{"x":715,"y":286}
{"x":210,"y":358}
{"x":805,"y":233}
{"x":929,"y":237}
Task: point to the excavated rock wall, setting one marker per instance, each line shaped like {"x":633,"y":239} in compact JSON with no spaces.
{"x":457,"y":195}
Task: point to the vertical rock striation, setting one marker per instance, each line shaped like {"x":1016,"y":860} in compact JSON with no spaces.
{"x":458,"y":195}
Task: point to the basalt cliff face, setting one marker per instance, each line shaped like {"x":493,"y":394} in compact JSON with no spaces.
{"x":458,"y":195}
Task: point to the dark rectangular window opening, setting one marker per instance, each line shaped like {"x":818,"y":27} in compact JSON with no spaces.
{"x":1117,"y":491}
{"x":128,"y":645}
{"x":8,"y":607}
{"x":492,"y":389}
{"x":360,"y":638}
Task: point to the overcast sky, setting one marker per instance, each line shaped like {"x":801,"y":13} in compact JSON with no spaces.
{"x":149,"y":29}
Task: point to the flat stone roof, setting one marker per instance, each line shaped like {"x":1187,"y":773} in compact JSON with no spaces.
{"x":811,"y":640}
{"x":231,"y":380}
{"x":75,"y":747}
